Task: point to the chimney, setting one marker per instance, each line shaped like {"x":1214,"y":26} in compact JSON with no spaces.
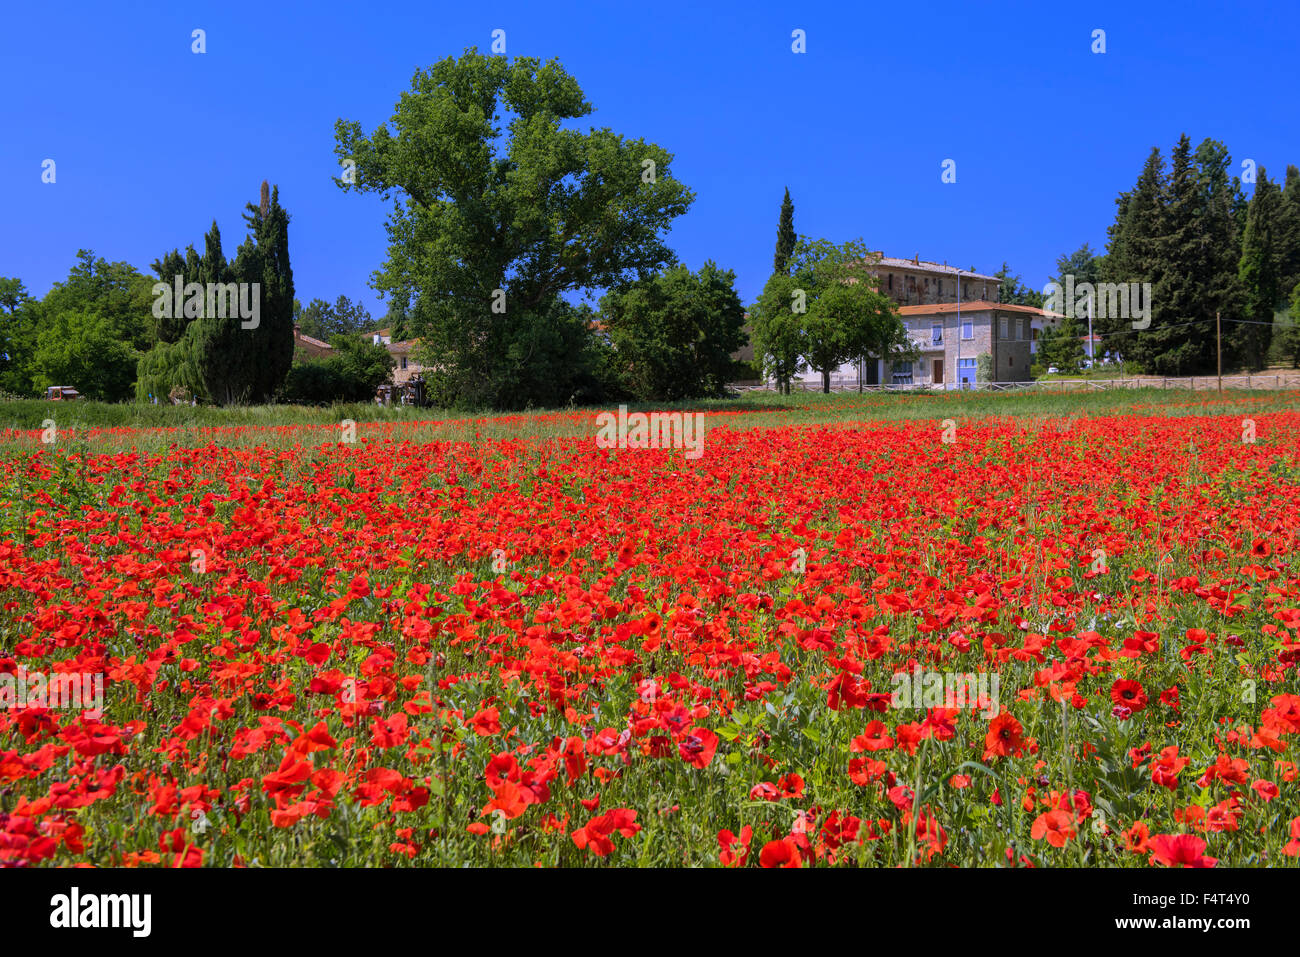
{"x":916,"y":259}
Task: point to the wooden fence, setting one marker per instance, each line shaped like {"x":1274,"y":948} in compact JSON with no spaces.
{"x":1264,"y":380}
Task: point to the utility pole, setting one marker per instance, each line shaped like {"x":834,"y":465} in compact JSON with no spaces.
{"x":1218,"y":348}
{"x":957,"y":371}
{"x":1092,"y":347}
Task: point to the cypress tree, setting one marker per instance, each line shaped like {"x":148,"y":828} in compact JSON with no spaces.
{"x":1258,"y":274}
{"x":785,"y":236}
{"x":218,"y":357}
{"x":269,"y":347}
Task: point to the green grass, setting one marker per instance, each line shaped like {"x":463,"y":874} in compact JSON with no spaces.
{"x":127,"y":425}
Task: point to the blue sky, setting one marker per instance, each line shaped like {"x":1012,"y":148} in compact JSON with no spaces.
{"x":152,"y":142}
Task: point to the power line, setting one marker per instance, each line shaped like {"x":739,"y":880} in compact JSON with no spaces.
{"x":1190,"y":322}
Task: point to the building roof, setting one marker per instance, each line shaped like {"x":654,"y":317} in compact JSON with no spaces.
{"x":923,"y":265}
{"x":313,"y":342}
{"x":974,"y":305}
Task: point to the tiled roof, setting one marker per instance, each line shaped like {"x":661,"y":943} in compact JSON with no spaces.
{"x":308,"y":340}
{"x":922,"y":265}
{"x":975,"y":305}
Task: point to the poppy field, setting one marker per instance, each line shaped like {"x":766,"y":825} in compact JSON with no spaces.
{"x":527,"y":650}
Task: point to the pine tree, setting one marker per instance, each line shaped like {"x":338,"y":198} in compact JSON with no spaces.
{"x":1176,"y":347}
{"x":1061,"y":347}
{"x":785,"y":236}
{"x":1083,"y":264}
{"x":1132,"y":255}
{"x":1013,"y":292}
{"x":1258,"y":273}
{"x":1287,"y":240}
{"x":1219,"y":239}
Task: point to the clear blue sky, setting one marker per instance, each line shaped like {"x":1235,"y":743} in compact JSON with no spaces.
{"x":152,"y":142}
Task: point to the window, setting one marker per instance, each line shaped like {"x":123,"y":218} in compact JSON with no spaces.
{"x":891,"y":282}
{"x":1006,"y":324}
{"x":403,"y":362}
{"x":968,"y":330}
{"x":936,"y":333}
{"x":966,"y":371}
{"x":902,"y":372}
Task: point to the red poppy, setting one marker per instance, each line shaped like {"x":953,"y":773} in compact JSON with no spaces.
{"x":1129,"y":694}
{"x":1003,"y":738}
{"x":782,"y":853}
{"x":697,"y":747}
{"x":735,"y":848}
{"x":1180,"y":850}
{"x":1056,"y":826}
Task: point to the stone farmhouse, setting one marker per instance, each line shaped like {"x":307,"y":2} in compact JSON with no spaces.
{"x":306,"y":348}
{"x":403,"y":352}
{"x":955,"y":319}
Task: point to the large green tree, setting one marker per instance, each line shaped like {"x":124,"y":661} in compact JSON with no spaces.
{"x":1216,"y":241}
{"x":673,"y":334}
{"x":350,"y":373}
{"x":776,"y":323}
{"x":499,"y":209}
{"x":91,"y":329}
{"x":324,"y":320}
{"x":1288,"y":332}
{"x":1258,"y":274}
{"x":1083,"y":264}
{"x":1061,"y":346}
{"x":18,"y":326}
{"x":1132,"y":255}
{"x":1182,"y":324}
{"x":83,"y":349}
{"x":827,"y":312}
{"x":1288,"y":232}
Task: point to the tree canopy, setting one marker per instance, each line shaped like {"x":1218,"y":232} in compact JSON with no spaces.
{"x":673,"y":334}
{"x":498,"y":210}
